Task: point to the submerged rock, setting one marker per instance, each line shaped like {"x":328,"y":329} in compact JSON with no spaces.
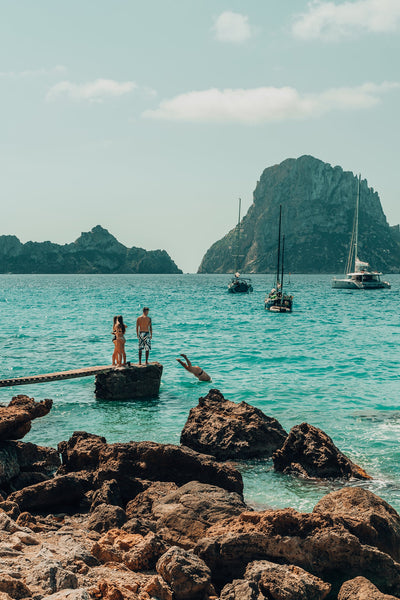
{"x":15,"y":419}
{"x":310,"y":452}
{"x":228,"y":430}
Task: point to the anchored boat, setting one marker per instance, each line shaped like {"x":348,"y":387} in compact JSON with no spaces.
{"x":359,"y":275}
{"x":277,"y":300}
{"x":238,"y":284}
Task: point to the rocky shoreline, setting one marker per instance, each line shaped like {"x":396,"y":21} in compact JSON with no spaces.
{"x":145,"y":521}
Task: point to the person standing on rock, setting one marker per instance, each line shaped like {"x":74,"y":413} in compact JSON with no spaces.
{"x":195,"y":370}
{"x":144,"y":332}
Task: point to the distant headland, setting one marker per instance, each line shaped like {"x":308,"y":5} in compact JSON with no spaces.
{"x":318,"y":203}
{"x":96,"y":251}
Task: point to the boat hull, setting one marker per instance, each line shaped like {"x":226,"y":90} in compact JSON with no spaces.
{"x":349,"y":284}
{"x":240,"y":287}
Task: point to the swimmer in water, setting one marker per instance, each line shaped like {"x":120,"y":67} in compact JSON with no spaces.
{"x":195,"y":370}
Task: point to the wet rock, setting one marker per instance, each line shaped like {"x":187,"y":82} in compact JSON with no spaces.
{"x":105,"y":517}
{"x":14,"y":587}
{"x":130,"y":463}
{"x":361,"y":589}
{"x":15,"y":419}
{"x":228,"y":430}
{"x":187,"y":575}
{"x":365,"y":515}
{"x":286,"y":582}
{"x":63,"y":490}
{"x":184,"y":515}
{"x":310,"y":452}
{"x":130,"y":382}
{"x":311,"y":541}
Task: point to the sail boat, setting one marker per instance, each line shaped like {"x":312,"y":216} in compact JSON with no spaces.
{"x":277,"y":301}
{"x":238,"y":284}
{"x":358,"y":274}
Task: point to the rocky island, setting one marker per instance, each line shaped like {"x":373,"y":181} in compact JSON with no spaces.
{"x":318,"y":203}
{"x":96,"y":251}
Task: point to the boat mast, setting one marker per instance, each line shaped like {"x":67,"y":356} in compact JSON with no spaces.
{"x":283,"y":254}
{"x":356,"y":222}
{"x":279,"y":246}
{"x":237,"y":238}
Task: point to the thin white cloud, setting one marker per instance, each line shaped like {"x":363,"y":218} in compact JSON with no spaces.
{"x":31,"y":73}
{"x":332,"y":21}
{"x":266,"y":104}
{"x":232,"y":27}
{"x":92,"y":91}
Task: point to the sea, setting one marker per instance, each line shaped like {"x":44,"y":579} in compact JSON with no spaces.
{"x":333,"y":362}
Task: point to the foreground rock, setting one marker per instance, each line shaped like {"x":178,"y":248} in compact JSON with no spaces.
{"x":365,"y":515}
{"x":22,"y":464}
{"x":310,"y":541}
{"x":264,"y":580}
{"x":64,"y":490}
{"x":135,"y":465}
{"x":129,"y":382}
{"x":15,"y":419}
{"x":181,"y":576}
{"x":183,"y":516}
{"x":361,"y":589}
{"x":228,"y":430}
{"x":310,"y":452}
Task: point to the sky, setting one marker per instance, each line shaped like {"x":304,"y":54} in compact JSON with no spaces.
{"x":153,"y":118}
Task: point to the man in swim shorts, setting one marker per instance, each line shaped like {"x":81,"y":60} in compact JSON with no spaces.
{"x":144,"y":332}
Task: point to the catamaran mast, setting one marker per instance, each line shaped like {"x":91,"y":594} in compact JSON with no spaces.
{"x":356,"y":222}
{"x":279,"y":246}
{"x":237,"y":238}
{"x":283,"y":255}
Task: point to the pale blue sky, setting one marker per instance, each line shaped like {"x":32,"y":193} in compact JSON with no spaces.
{"x":152,"y":118}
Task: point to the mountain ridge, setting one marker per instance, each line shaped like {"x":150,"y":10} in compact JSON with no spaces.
{"x":95,"y":251}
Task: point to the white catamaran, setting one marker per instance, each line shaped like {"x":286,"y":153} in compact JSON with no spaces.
{"x":361,"y":277}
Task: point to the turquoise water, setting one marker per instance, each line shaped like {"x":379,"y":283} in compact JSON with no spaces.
{"x":333,"y":362}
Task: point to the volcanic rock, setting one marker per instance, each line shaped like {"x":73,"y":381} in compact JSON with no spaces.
{"x":137,"y":552}
{"x":311,"y":541}
{"x":15,"y":419}
{"x":184,"y":572}
{"x":318,"y":203}
{"x":130,"y":463}
{"x":108,"y":493}
{"x":130,"y":382}
{"x":63,"y":490}
{"x":360,"y":588}
{"x":367,"y":516}
{"x":310,"y":452}
{"x":183,"y":516}
{"x":142,"y":505}
{"x":228,"y":430}
{"x":241,"y":589}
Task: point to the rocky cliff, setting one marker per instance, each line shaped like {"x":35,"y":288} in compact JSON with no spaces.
{"x":96,"y":251}
{"x":318,"y":203}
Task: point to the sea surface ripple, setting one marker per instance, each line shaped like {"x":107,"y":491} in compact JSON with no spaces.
{"x":333,"y":362}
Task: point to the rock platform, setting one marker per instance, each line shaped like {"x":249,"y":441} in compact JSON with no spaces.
{"x":130,"y":382}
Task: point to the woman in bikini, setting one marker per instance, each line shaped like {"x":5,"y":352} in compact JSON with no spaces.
{"x":196,"y":371}
{"x":119,"y":328}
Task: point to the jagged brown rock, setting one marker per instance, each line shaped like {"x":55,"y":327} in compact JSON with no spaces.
{"x":310,"y":452}
{"x":15,"y":419}
{"x":311,"y":541}
{"x":63,"y":490}
{"x":130,"y":382}
{"x":183,"y":516}
{"x":365,"y":515}
{"x":360,"y":588}
{"x":131,"y":463}
{"x":228,"y":430}
{"x":105,"y":517}
{"x":136,"y":551}
{"x":185,"y":573}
